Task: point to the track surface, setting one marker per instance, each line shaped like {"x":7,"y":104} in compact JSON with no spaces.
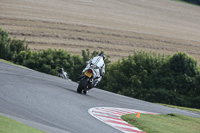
{"x":52,"y":104}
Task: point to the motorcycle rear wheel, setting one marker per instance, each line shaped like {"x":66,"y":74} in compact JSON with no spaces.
{"x":82,"y":85}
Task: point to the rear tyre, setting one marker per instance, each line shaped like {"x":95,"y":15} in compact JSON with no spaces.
{"x":85,"y":91}
{"x":82,"y":85}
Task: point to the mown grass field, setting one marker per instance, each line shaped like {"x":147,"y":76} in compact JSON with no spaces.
{"x":117,"y":27}
{"x":171,"y":123}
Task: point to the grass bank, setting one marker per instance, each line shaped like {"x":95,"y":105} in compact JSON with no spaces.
{"x":171,"y":123}
{"x":11,"y":126}
{"x":183,"y":108}
{"x":6,"y":61}
{"x":2,"y":60}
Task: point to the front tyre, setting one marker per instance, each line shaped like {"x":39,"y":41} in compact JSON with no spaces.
{"x":82,"y":85}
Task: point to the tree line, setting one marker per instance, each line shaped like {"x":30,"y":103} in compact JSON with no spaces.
{"x":144,"y":75}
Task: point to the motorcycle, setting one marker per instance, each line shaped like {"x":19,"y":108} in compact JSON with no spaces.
{"x":63,"y":74}
{"x":87,"y":81}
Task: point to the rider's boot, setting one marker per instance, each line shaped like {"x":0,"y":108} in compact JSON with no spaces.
{"x":96,"y":83}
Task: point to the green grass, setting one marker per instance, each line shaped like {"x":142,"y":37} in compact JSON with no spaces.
{"x":171,"y":123}
{"x":11,"y":63}
{"x":11,"y":126}
{"x":5,"y":61}
{"x":184,"y":108}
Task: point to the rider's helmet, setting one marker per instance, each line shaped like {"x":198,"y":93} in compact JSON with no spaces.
{"x":102,"y":55}
{"x":60,"y":70}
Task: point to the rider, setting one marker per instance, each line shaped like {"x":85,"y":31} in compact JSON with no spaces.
{"x":99,"y":62}
{"x":62,"y":73}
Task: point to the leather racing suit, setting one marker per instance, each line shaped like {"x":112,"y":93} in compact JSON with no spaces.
{"x":99,"y":65}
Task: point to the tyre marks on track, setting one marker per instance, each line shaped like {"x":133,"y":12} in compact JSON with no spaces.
{"x":112,"y":117}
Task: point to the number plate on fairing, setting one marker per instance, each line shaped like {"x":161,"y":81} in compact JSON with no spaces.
{"x":88,"y":74}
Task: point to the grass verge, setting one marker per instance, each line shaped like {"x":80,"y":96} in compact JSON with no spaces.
{"x":178,"y":107}
{"x":171,"y":123}
{"x":5,"y":61}
{"x":8,"y":125}
{"x":2,"y":60}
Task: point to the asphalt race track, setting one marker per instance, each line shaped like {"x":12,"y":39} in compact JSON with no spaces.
{"x":52,"y":104}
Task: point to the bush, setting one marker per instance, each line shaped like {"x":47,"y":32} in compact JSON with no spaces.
{"x":197,"y":2}
{"x":156,"y":78}
{"x":10,"y":47}
{"x":136,"y":72}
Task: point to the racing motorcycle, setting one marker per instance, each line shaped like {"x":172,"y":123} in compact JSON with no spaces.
{"x":87,"y":81}
{"x":63,"y":74}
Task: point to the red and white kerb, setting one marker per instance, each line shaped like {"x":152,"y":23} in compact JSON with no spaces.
{"x":112,"y":117}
